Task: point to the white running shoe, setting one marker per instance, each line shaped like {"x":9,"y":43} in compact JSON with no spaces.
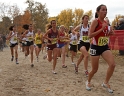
{"x":87,"y":87}
{"x":72,"y":63}
{"x":107,"y":87}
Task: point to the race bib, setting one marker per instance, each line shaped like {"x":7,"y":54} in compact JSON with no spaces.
{"x":62,"y":40}
{"x":85,"y":39}
{"x":38,"y":38}
{"x":15,"y":38}
{"x":102,"y":41}
{"x":38,"y":41}
{"x":74,"y":43}
{"x":54,"y":41}
{"x":30,"y":38}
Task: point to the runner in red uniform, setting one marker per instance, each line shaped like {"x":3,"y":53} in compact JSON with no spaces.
{"x":100,"y":36}
{"x":61,"y":44}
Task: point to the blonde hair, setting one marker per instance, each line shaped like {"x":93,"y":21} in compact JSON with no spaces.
{"x":61,"y":26}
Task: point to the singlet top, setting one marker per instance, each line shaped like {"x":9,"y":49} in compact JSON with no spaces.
{"x":84,"y":34}
{"x":102,"y":38}
{"x":38,"y":38}
{"x":14,"y":39}
{"x":61,"y":35}
{"x":53,"y":35}
{"x":73,"y":39}
{"x":23,"y":40}
{"x":29,"y":36}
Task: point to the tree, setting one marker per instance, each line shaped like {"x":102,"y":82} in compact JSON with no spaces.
{"x":78,"y":13}
{"x":90,"y":14}
{"x":115,"y":21}
{"x":39,"y":14}
{"x":3,"y":10}
{"x":4,"y":25}
{"x":66,"y":18}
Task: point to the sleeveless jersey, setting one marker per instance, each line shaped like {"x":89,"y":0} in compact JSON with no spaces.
{"x":84,"y":34}
{"x":38,"y":39}
{"x":29,"y":36}
{"x":61,"y":35}
{"x":102,"y":38}
{"x":53,"y":35}
{"x":73,"y":39}
{"x":13,"y":39}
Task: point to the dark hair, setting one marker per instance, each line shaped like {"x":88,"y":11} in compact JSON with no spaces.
{"x":84,"y":16}
{"x":26,"y":26}
{"x":11,"y":28}
{"x":52,"y":21}
{"x":97,"y":10}
{"x":96,"y":15}
{"x":30,"y":24}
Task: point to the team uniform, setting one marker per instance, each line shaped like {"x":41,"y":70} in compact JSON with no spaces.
{"x":73,"y":42}
{"x":61,"y":43}
{"x":84,"y":39}
{"x":29,"y":38}
{"x":13,"y":40}
{"x":100,"y":42}
{"x":38,"y":40}
{"x":52,"y":44}
{"x":23,"y":42}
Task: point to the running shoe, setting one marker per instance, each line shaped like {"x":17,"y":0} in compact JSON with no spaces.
{"x":107,"y":87}
{"x":76,"y":68}
{"x":32,"y":65}
{"x":37,"y":59}
{"x":12,"y":58}
{"x":54,"y":72}
{"x":45,"y":56}
{"x":17,"y":63}
{"x":86,"y":73}
{"x":87,"y":87}
{"x":72,"y":63}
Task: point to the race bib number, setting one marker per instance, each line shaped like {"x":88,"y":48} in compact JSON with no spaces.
{"x":15,"y":38}
{"x":54,"y":41}
{"x":38,"y":41}
{"x":38,"y":38}
{"x":85,"y":39}
{"x":102,"y":41}
{"x":62,"y":40}
{"x":74,"y":43}
{"x":30,"y":38}
{"x":92,"y":52}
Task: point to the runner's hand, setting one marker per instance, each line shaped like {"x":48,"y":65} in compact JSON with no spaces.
{"x":104,"y":25}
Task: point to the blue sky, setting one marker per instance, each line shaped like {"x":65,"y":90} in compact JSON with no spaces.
{"x":115,"y":7}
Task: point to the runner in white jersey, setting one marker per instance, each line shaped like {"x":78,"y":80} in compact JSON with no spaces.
{"x":12,"y":37}
{"x":73,"y":45}
{"x":29,"y":35}
{"x":84,"y":44}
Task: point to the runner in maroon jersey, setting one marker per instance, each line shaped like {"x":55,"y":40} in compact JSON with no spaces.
{"x":52,"y":36}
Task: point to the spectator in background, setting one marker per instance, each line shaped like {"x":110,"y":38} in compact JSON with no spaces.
{"x":1,"y":43}
{"x":121,"y":39}
{"x":4,"y":40}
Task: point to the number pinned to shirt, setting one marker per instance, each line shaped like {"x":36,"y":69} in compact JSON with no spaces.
{"x":54,"y":41}
{"x":85,"y":39}
{"x":102,"y":41}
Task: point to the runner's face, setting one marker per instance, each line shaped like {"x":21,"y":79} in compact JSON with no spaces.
{"x":14,"y":28}
{"x":103,"y":12}
{"x":62,"y":28}
{"x":86,"y":19}
{"x":39,"y":31}
{"x":53,"y":23}
{"x":30,"y":27}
